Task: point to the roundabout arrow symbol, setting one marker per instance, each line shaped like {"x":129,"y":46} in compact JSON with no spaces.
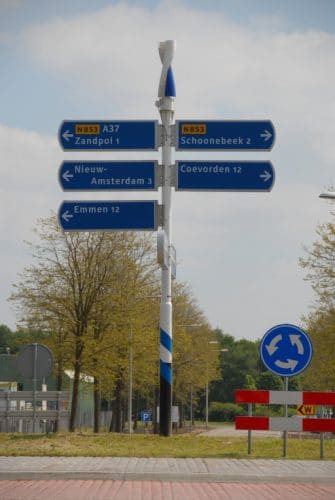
{"x":295,"y":340}
{"x":272,"y":347}
{"x":288,"y":364}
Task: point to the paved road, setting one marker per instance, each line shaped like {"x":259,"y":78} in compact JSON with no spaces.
{"x":157,"y":490}
{"x":229,"y":430}
{"x":98,"y":478}
{"x":168,"y":469}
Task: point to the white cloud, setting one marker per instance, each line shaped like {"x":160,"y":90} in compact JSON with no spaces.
{"x":239,"y":251}
{"x":113,"y":52}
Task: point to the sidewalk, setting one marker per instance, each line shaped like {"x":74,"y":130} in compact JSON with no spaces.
{"x":168,"y":469}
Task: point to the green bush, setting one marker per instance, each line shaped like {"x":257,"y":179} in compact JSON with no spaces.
{"x":224,"y":412}
{"x":272,"y":411}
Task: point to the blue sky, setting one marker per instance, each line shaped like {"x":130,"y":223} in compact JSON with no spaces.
{"x":234,"y":60}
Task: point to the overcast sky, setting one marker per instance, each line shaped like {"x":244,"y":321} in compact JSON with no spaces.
{"x":235,"y":59}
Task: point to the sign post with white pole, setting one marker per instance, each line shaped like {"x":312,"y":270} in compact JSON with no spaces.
{"x":165,"y":104}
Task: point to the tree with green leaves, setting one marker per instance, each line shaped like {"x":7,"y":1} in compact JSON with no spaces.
{"x":320,"y":266}
{"x":72,"y":291}
{"x":240,"y":360}
{"x":195,"y":358}
{"x":320,"y":324}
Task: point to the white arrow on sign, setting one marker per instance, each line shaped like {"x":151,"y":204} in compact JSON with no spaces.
{"x":289,"y":363}
{"x":67,"y":216}
{"x":272,"y":347}
{"x":67,"y":134}
{"x":266,"y":135}
{"x":67,"y":175}
{"x":295,"y":340}
{"x":266,"y":175}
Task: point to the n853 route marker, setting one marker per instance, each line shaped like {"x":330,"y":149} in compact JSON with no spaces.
{"x":122,"y":135}
{"x":231,"y":135}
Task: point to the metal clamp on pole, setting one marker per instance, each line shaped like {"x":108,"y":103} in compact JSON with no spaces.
{"x":165,"y":104}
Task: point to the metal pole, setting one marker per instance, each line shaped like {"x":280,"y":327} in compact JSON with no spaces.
{"x":130,"y":387}
{"x":34,"y":388}
{"x":249,"y":432}
{"x":165,"y":104}
{"x":322,"y":438}
{"x":207,"y":402}
{"x":286,"y":415}
{"x":191,"y":408}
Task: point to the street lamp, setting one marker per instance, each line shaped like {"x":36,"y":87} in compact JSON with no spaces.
{"x":217,"y":350}
{"x":330,"y":195}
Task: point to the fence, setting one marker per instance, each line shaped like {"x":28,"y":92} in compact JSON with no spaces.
{"x":29,"y":411}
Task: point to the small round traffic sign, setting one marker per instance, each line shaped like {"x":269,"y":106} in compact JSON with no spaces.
{"x":35,"y":361}
{"x":286,"y":350}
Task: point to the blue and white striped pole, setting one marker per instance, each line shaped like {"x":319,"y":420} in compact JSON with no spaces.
{"x":165,"y":104}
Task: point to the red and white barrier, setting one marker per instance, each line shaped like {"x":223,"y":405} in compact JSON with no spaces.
{"x":285,"y":423}
{"x":285,"y":397}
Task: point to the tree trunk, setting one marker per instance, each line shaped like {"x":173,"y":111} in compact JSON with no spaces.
{"x":116,"y":422}
{"x":135,"y":411}
{"x":97,"y":404}
{"x":75,"y":393}
{"x":181,"y":415}
{"x":123,"y":414}
{"x":112,"y":424}
{"x":59,"y":386}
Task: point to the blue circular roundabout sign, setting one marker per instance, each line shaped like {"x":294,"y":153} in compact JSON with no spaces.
{"x":286,"y":350}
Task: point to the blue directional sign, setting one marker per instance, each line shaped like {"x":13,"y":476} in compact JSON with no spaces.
{"x":286,"y":350}
{"x":108,"y":215}
{"x":108,"y":135}
{"x":108,"y":175}
{"x":224,"y":176}
{"x":225,"y":135}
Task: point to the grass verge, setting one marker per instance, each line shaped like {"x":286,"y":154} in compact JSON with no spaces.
{"x":184,"y":446}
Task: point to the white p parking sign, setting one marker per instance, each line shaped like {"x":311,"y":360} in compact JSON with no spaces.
{"x":146,"y":416}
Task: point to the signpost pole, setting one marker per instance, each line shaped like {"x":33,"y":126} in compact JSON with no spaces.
{"x":286,"y":415}
{"x":130,"y":386}
{"x":249,"y":432}
{"x":165,"y":104}
{"x":322,"y":438}
{"x":34,"y":387}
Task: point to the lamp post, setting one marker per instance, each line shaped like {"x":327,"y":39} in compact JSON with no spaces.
{"x":130,"y":387}
{"x":330,"y":195}
{"x":217,"y":350}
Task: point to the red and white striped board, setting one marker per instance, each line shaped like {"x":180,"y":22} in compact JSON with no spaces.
{"x":285,"y":424}
{"x":285,"y":397}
